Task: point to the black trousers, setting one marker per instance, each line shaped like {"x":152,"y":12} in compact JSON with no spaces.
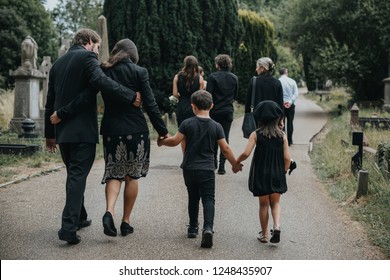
{"x":226,"y":121}
{"x":200,"y":185}
{"x":78,"y":159}
{"x":289,"y":115}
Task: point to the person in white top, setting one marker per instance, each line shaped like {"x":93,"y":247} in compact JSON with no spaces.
{"x":290,"y":94}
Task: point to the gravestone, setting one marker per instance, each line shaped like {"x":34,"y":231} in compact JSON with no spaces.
{"x":45,"y":69}
{"x":102,"y":31}
{"x":27,"y":88}
{"x":386,"y":105}
{"x":65,"y":45}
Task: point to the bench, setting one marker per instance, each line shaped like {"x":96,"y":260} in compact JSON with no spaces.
{"x":326,"y":93}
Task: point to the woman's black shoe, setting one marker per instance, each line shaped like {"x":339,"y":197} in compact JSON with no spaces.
{"x":108,"y":224}
{"x":126,"y":229}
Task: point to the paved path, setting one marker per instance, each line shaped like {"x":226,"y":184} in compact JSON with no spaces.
{"x":313,"y":227}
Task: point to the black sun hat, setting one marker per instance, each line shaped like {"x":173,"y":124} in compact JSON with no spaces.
{"x":267,"y":111}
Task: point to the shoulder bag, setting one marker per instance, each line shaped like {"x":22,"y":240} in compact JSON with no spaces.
{"x":249,"y":124}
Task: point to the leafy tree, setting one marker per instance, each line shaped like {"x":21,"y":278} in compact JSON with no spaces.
{"x":13,"y":31}
{"x":71,"y":15}
{"x":167,"y":31}
{"x":257,"y":41}
{"x":344,"y":40}
{"x":18,"y":19}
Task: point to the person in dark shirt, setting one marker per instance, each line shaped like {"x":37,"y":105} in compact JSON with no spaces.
{"x":223,"y":86}
{"x":267,"y":87}
{"x":77,"y":76}
{"x":126,"y":134}
{"x":270,"y":161}
{"x":185,"y":83}
{"x":201,"y":134}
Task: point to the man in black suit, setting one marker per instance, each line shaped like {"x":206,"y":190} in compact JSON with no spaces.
{"x":78,"y":74}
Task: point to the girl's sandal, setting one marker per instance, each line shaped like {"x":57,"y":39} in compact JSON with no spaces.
{"x":262,"y":238}
{"x":275,"y":235}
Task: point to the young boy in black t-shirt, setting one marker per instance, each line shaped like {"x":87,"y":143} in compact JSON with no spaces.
{"x":201,"y":135}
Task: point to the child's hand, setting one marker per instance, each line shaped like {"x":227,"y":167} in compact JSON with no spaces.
{"x":237,"y":167}
{"x":160,"y":140}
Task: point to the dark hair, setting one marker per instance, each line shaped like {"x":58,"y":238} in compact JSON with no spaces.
{"x":84,"y":35}
{"x":189,"y":70}
{"x":202,"y":99}
{"x":123,"y":49}
{"x":223,"y":61}
{"x":283,"y":71}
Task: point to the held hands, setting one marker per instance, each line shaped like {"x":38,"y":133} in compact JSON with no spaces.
{"x":237,"y":167}
{"x":54,"y":119}
{"x":160,"y":139}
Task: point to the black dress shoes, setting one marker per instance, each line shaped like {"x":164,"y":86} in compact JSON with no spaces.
{"x":108,"y":225}
{"x":85,"y":223}
{"x":126,"y":229}
{"x":72,"y":239}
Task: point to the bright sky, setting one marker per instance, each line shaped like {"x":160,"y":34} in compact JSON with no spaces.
{"x":50,"y":4}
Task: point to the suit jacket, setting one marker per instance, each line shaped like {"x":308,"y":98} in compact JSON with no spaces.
{"x":267,"y":87}
{"x":120,"y":118}
{"x":76,"y":74}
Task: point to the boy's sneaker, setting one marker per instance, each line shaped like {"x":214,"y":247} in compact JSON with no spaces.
{"x":192,"y":232}
{"x":207,"y":239}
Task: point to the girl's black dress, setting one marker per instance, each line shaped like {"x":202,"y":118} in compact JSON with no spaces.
{"x":267,"y":175}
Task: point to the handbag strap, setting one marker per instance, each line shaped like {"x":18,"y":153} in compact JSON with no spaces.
{"x":253,"y":93}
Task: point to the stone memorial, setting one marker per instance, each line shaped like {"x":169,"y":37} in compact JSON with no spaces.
{"x":27,"y":88}
{"x":102,"y":31}
{"x":45,"y":70}
{"x":65,"y":45}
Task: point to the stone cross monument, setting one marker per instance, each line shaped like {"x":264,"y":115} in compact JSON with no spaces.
{"x":102,"y":31}
{"x":27,"y":80}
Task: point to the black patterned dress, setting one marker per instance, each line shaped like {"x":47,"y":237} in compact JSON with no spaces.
{"x":124,"y":128}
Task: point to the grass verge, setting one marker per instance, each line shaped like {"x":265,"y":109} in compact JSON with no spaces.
{"x":331,"y":159}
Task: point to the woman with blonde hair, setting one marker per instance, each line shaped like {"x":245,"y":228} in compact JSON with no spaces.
{"x":267,"y":87}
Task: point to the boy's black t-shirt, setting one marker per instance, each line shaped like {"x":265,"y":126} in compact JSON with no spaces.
{"x":201,"y":135}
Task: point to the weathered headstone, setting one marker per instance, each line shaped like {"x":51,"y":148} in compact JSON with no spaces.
{"x":27,"y":80}
{"x":45,"y":69}
{"x":386,"y":105}
{"x":362,"y":189}
{"x":102,"y":31}
{"x":65,"y":45}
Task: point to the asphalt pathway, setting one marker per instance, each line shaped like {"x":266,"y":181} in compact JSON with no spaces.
{"x":313,"y":226}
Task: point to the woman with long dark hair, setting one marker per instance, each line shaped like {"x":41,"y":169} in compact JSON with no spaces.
{"x":185,"y":83}
{"x":126,"y":134}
